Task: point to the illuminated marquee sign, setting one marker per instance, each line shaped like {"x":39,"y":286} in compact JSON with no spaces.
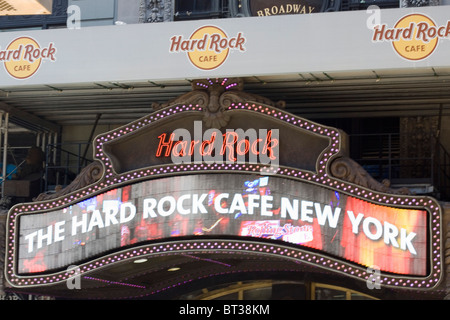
{"x":301,"y":209}
{"x":266,"y":207}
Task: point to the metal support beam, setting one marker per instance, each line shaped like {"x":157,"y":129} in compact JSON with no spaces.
{"x":28,"y":120}
{"x":4,"y":132}
{"x":89,"y":142}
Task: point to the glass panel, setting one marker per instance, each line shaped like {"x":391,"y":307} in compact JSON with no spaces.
{"x":231,"y":296}
{"x":358,"y":296}
{"x":193,"y":6}
{"x":289,"y":291}
{"x":329,"y":294}
{"x":258,"y":294}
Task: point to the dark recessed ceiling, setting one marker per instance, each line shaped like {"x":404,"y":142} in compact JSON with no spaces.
{"x":312,"y":96}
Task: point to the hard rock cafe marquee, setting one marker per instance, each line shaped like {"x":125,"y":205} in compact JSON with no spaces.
{"x":221,"y":170}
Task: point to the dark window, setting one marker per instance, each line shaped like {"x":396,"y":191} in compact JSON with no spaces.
{"x":348,"y":5}
{"x":199,"y":9}
{"x":194,"y":5}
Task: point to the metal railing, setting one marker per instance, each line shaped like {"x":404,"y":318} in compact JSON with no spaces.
{"x":442,"y":170}
{"x":68,"y":163}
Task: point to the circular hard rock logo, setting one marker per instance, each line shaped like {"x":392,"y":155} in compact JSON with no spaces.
{"x":414,"y":37}
{"x":208,"y":47}
{"x":22,"y":58}
{"x":417,"y":45}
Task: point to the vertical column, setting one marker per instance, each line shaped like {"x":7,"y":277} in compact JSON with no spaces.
{"x":2,"y":251}
{"x":4,"y":130}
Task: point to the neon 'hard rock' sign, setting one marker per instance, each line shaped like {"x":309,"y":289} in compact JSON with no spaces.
{"x":213,"y":146}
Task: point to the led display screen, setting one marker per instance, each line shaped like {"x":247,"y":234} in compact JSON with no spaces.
{"x":251,"y":206}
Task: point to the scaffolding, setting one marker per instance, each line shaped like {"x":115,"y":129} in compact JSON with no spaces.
{"x":13,"y":157}
{"x":380,"y":156}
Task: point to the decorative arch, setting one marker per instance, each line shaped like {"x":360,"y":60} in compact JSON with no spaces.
{"x":312,"y":173}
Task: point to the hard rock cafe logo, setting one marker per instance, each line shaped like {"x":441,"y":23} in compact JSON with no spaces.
{"x":22,"y":58}
{"x":414,"y":37}
{"x":208,"y":47}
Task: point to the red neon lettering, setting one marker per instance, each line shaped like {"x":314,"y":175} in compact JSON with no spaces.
{"x":255,"y":146}
{"x":267,"y":149}
{"x":239,"y":147}
{"x":229,"y":145}
{"x":162,"y":144}
{"x":182,"y":150}
{"x":191,"y":149}
{"x":210,"y":144}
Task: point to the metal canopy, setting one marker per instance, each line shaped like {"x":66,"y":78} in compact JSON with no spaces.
{"x":320,"y":95}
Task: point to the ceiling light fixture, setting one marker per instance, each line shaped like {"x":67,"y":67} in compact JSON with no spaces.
{"x":140,"y":260}
{"x":173,"y":269}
